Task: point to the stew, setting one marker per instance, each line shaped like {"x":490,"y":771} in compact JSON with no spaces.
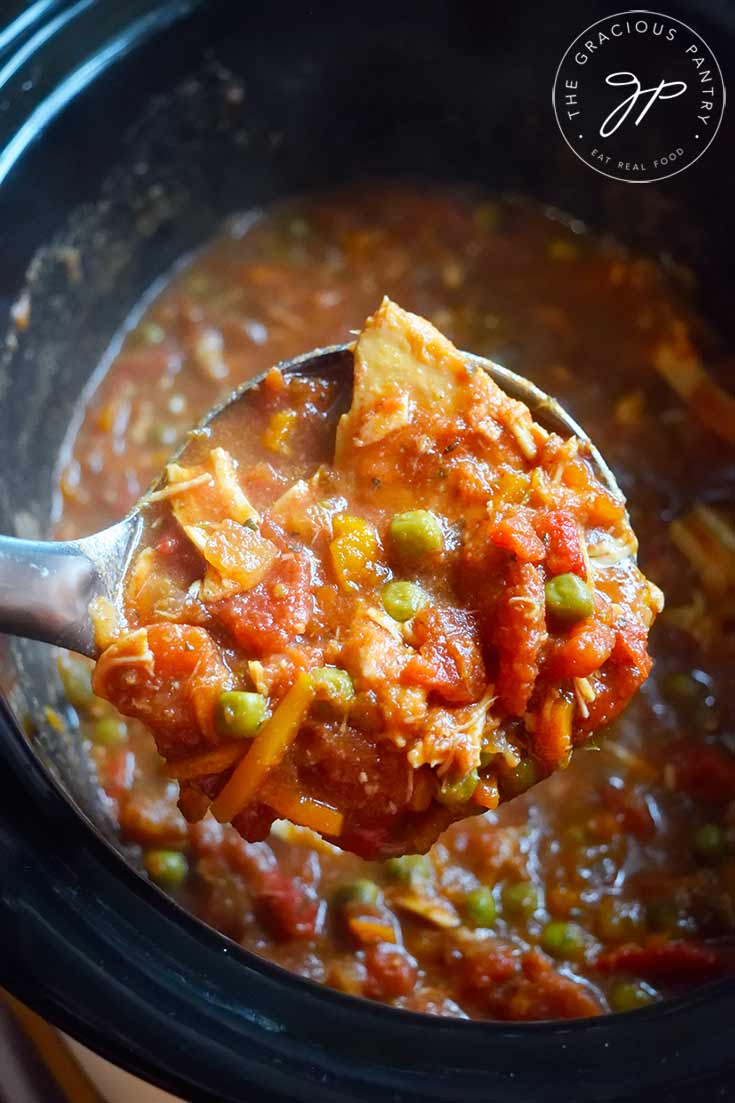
{"x":609,"y":885}
{"x":376,"y":646}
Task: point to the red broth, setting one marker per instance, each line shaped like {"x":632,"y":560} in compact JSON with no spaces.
{"x":611,"y":884}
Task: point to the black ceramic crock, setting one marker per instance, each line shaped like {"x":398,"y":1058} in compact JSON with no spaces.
{"x":128,"y":129}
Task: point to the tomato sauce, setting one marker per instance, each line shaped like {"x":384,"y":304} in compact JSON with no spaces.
{"x":608,"y":886}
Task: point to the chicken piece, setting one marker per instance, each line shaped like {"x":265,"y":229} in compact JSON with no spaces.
{"x":214,"y":512}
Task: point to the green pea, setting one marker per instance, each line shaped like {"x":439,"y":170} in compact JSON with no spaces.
{"x":415,"y":535}
{"x":459,"y":791}
{"x":568,"y":598}
{"x":333,"y":685}
{"x":402,"y":600}
{"x":109,"y":731}
{"x":410,"y":868}
{"x":627,"y":995}
{"x":563,"y":940}
{"x":240,"y":714}
{"x":167,"y":868}
{"x":152,"y":333}
{"x":710,"y":842}
{"x":361,"y":891}
{"x":479,"y":907}
{"x":520,"y":898}
{"x":517,"y":780}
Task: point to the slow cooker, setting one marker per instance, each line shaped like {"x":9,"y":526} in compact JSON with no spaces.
{"x":120,"y":140}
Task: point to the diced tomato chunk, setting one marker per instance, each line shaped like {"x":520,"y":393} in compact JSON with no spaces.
{"x":543,"y":993}
{"x":365,"y":841}
{"x":391,"y":971}
{"x":268,"y":617}
{"x":631,"y":648}
{"x":675,"y":962}
{"x":449,"y":662}
{"x":523,"y":987}
{"x":487,"y":965}
{"x":284,"y":908}
{"x":254,"y":822}
{"x":519,"y":634}
{"x":168,"y":676}
{"x":564,"y":554}
{"x":515,"y":533}
{"x":153,"y":821}
{"x":580,"y":652}
{"x":614,"y":686}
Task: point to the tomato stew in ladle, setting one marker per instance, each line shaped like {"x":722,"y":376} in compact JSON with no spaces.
{"x":380,"y":644}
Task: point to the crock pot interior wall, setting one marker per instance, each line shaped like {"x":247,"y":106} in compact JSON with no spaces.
{"x":238,"y":105}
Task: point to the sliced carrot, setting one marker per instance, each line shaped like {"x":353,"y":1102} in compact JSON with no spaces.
{"x":209,"y":762}
{"x":266,"y":750}
{"x":302,"y":810}
{"x":368,"y":930}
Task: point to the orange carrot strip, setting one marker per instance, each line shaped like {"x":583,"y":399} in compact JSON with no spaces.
{"x":302,"y":810}
{"x":369,"y":930}
{"x":486,"y":793}
{"x":266,"y":750}
{"x":209,"y":762}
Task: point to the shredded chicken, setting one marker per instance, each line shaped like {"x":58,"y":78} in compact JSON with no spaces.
{"x":452,"y":739}
{"x":176,"y":489}
{"x":568,"y":451}
{"x":606,"y":553}
{"x":584,"y":694}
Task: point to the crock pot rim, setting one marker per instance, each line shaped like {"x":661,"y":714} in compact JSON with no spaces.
{"x":19,"y":756}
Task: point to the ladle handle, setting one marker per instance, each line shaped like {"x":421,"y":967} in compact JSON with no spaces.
{"x":45,"y":591}
{"x":46,"y":587}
